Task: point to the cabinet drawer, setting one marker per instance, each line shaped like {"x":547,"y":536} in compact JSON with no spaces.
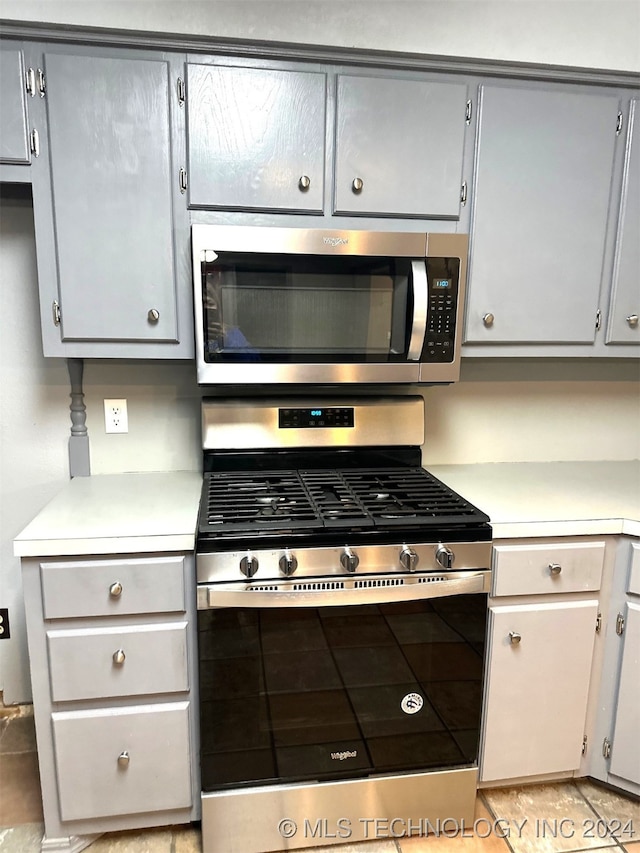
{"x":112,"y":587}
{"x":547,"y":568}
{"x":123,"y":760}
{"x":99,"y":663}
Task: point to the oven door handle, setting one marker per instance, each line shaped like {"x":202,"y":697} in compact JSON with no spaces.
{"x":286,"y":594}
{"x":420,"y":304}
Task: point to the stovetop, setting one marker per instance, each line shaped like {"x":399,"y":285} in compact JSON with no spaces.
{"x":320,"y":504}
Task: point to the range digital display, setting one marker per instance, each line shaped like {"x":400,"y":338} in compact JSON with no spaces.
{"x":329,"y":418}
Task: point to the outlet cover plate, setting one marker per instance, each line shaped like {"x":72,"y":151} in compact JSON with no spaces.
{"x":115,"y":416}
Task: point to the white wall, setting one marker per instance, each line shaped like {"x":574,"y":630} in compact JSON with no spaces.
{"x":591,"y":33}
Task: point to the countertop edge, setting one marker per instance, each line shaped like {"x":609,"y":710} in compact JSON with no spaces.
{"x":107,"y":545}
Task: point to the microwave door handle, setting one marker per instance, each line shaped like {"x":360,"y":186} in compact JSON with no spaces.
{"x":420,"y":305}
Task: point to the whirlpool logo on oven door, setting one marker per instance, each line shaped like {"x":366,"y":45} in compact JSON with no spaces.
{"x":335,"y":241}
{"x":348,"y":753}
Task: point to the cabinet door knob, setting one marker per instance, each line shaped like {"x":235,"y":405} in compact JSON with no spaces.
{"x":357,"y":185}
{"x":488,"y":320}
{"x":123,"y":759}
{"x":514,"y":638}
{"x":304,"y":183}
{"x":153,"y":316}
{"x":554,"y":569}
{"x":119,"y":657}
{"x":115,"y":590}
{"x":632,"y":320}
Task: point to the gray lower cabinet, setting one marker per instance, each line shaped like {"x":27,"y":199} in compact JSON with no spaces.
{"x":256,"y":138}
{"x":112,"y":645}
{"x":544,"y":176}
{"x":399,"y":146}
{"x":111,"y":224}
{"x":14,"y":135}
{"x":616,"y":754}
{"x":624,"y":314}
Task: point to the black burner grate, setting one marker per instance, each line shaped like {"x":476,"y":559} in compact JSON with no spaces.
{"x":264,"y":501}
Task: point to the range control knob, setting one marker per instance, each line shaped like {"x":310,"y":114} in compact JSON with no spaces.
{"x":249,"y":566}
{"x":445,"y":557}
{"x":349,"y":561}
{"x":288,"y":564}
{"x":409,"y":559}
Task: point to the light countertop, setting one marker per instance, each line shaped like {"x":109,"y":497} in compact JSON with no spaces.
{"x":528,"y":499}
{"x":116,"y":513}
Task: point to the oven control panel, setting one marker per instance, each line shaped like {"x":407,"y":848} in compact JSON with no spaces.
{"x":332,"y":417}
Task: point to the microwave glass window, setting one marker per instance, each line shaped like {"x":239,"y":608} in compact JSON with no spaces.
{"x":306,"y":308}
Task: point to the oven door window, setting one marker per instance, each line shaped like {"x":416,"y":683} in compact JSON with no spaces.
{"x":291,"y":695}
{"x":306,"y":308}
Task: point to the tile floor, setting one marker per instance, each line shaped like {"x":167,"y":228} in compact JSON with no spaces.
{"x":507,"y":820}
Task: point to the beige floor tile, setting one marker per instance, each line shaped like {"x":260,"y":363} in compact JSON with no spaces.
{"x":387,"y":846}
{"x":20,"y":795}
{"x":21,"y":839}
{"x":138,"y":841}
{"x":186,"y":840}
{"x":19,"y":735}
{"x":557,"y":818}
{"x":484,"y":836}
{"x":634,"y":847}
{"x":612,"y":807}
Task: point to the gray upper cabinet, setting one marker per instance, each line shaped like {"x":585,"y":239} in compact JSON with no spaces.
{"x":256,"y":138}
{"x":624,"y":316}
{"x":399,"y":146}
{"x":543,"y":179}
{"x":14,"y":138}
{"x":111,"y":223}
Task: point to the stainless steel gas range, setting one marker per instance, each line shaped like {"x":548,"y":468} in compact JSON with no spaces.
{"x":342,"y":606}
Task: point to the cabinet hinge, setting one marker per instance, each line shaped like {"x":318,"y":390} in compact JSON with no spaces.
{"x":183,"y":181}
{"x":619,"y":624}
{"x":463,"y":193}
{"x":606,"y":747}
{"x":598,"y":319}
{"x":30,"y":81}
{"x":34,"y":142}
{"x":598,"y":623}
{"x":42,"y":83}
{"x":468,"y":112}
{"x":55,"y":308}
{"x":619,"y":124}
{"x":585,"y":740}
{"x":181,"y":91}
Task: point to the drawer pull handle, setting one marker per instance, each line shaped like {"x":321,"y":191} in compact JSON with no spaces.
{"x":356,"y":185}
{"x":119,"y":657}
{"x":514,"y":638}
{"x":123,"y":759}
{"x":115,"y":590}
{"x":554,"y":569}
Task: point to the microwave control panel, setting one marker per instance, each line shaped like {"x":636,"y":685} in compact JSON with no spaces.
{"x":439,"y":342}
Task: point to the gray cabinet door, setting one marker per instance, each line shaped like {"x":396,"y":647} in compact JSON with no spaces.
{"x":544,"y":165}
{"x":625,"y":752}
{"x":14,"y":143}
{"x":403,"y":139}
{"x":624,"y":325}
{"x":256,"y":138}
{"x":111,"y":175}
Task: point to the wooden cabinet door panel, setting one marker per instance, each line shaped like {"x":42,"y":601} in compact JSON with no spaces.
{"x":111,"y":173}
{"x":404,"y":139}
{"x":253,"y":133}
{"x":544,"y":165}
{"x":14,"y":143}
{"x":537,"y":689}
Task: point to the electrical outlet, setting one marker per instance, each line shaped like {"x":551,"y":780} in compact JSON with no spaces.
{"x":5,"y":631}
{"x":115,"y":416}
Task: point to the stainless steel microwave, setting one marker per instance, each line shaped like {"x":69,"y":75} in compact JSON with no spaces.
{"x":307,"y":306}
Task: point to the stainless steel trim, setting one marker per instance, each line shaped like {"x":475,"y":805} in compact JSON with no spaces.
{"x":279,"y":810}
{"x":252,"y":424}
{"x":420,"y":305}
{"x":314,"y":374}
{"x":340,"y":593}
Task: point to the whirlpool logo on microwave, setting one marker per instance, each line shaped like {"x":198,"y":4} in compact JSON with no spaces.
{"x":335,"y":241}
{"x":348,"y":753}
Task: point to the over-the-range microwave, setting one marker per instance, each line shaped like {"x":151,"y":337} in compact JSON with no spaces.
{"x":309,"y":306}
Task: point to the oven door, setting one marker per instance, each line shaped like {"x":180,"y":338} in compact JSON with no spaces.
{"x":278,"y":308}
{"x":310,"y":683}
